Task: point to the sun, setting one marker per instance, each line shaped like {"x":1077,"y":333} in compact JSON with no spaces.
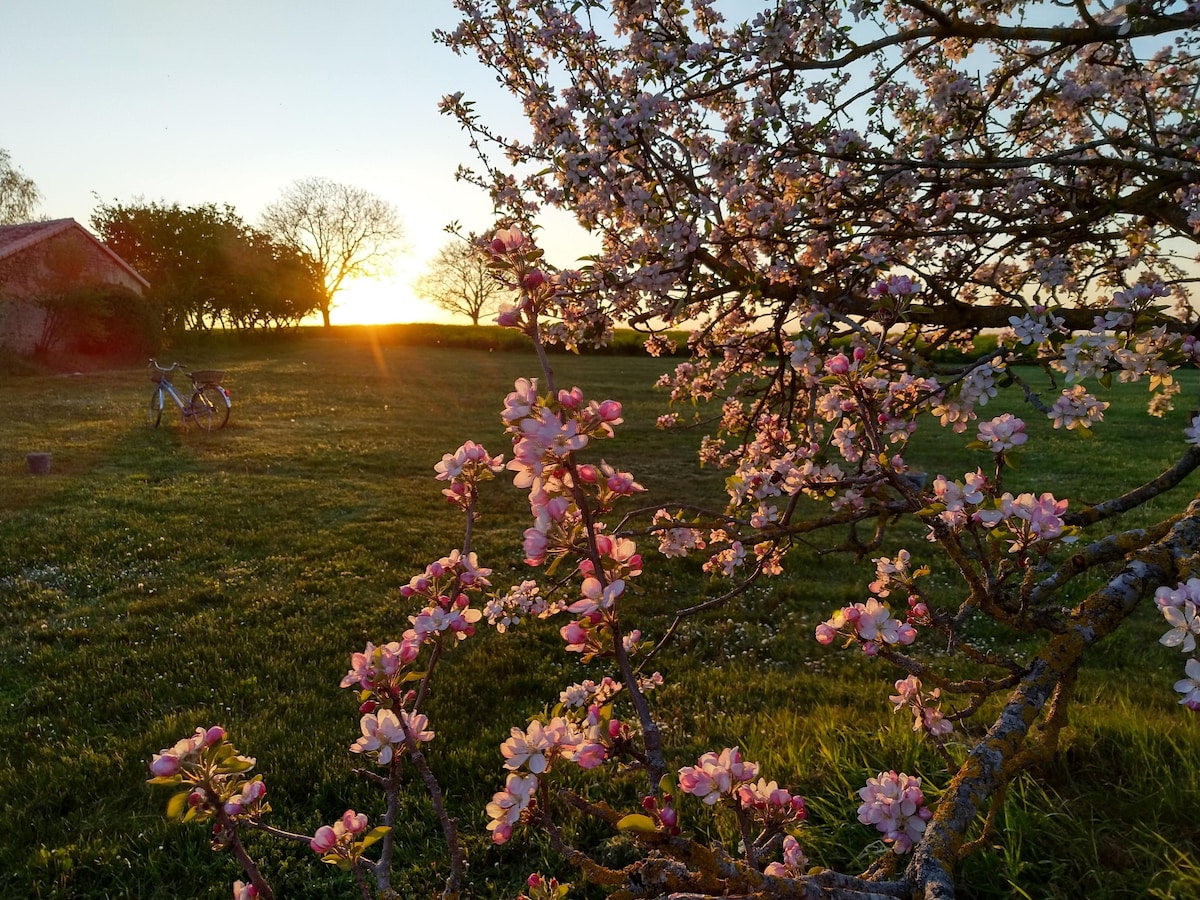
{"x":369,"y":301}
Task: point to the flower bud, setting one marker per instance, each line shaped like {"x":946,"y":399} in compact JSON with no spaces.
{"x":164,"y":765}
{"x":324,"y":840}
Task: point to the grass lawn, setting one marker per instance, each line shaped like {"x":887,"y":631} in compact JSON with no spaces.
{"x":157,"y":580}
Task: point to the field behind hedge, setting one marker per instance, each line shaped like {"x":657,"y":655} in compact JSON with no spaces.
{"x":157,"y":580}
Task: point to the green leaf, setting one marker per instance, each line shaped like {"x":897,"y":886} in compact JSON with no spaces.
{"x":375,"y":834}
{"x":638,"y":823}
{"x":178,"y":805}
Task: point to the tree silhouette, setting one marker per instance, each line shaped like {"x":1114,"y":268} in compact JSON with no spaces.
{"x":19,"y":196}
{"x":347,"y":231}
{"x":460,"y":280}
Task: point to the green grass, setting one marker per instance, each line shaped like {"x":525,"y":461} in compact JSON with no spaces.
{"x":157,"y":580}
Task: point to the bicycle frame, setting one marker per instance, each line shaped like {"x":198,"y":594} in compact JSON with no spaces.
{"x":209,"y":404}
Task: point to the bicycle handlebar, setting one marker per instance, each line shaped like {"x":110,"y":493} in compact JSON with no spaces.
{"x":170,"y":368}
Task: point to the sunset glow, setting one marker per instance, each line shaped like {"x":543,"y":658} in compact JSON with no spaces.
{"x":385,"y":302}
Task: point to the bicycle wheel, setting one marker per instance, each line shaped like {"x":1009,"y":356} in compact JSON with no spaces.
{"x":155,"y":410}
{"x":213,"y":396}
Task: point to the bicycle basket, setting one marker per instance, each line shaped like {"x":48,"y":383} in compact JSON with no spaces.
{"x":156,"y":376}
{"x":208,"y":376}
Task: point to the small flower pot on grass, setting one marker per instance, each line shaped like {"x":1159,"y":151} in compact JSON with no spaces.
{"x":39,"y":463}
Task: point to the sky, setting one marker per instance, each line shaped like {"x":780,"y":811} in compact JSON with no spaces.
{"x":230,"y":101}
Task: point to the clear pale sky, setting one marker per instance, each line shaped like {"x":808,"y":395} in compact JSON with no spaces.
{"x":229,"y":101}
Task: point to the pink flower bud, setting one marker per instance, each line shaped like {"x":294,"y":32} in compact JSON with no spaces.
{"x":354,"y":823}
{"x":368,"y":707}
{"x":860,"y":354}
{"x":233,"y":808}
{"x":573,"y":633}
{"x":572,"y":399}
{"x":533,"y":280}
{"x":534,"y":880}
{"x":214,"y":735}
{"x":609,"y":411}
{"x":668,"y":816}
{"x":324,"y":840}
{"x":164,"y":765}
{"x":839,"y":365}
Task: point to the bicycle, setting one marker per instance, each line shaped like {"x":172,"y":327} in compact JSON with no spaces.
{"x":208,"y":406}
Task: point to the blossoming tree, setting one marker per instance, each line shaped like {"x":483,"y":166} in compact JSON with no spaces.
{"x":829,"y":194}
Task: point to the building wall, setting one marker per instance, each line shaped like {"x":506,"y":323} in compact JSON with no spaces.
{"x":58,"y":264}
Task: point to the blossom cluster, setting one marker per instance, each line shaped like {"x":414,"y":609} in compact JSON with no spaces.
{"x":894,"y":804}
{"x":717,"y":776}
{"x":926,"y":707}
{"x":464,"y":469}
{"x":794,"y":860}
{"x":871,"y":624}
{"x":542,"y":888}
{"x":585,"y":740}
{"x":1028,"y":520}
{"x":385,"y":731}
{"x":1004,"y":432}
{"x":336,"y":839}
{"x":1180,"y":606}
{"x":507,"y":806}
{"x":214,"y":777}
{"x":537,"y":747}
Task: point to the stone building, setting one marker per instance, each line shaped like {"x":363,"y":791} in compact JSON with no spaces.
{"x":43,"y":261}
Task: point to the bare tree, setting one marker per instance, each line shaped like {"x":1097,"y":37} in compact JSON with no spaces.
{"x":19,"y":196}
{"x":460,"y":280}
{"x":348,"y":232}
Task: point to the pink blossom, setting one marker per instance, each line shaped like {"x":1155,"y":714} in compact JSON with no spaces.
{"x":894,"y":804}
{"x":717,"y":775}
{"x":1185,"y":626}
{"x":507,"y":239}
{"x":535,"y":748}
{"x":354,"y":823}
{"x":794,"y":860}
{"x":324,"y":840}
{"x":838,"y":365}
{"x":164,"y":764}
{"x":520,"y":403}
{"x":1190,"y":686}
{"x":381,"y":732}
{"x":243,"y":891}
{"x":1076,"y":408}
{"x":507,"y":805}
{"x":597,"y":596}
{"x":1003,"y":433}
